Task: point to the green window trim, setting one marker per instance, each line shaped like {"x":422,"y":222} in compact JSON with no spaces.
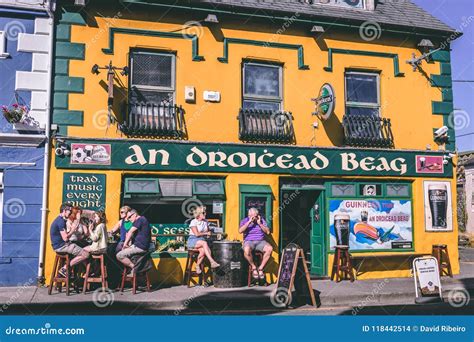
{"x":127,"y":191}
{"x":221,"y":192}
{"x":248,"y":191}
{"x":359,"y":196}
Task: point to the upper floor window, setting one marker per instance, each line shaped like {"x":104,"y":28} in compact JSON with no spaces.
{"x":262,"y":86}
{"x":151,"y":106}
{"x":362,"y":93}
{"x":152,"y":77}
{"x":342,"y":3}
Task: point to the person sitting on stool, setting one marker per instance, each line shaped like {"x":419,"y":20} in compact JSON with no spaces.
{"x":199,"y":229}
{"x":60,"y":239}
{"x":141,"y":241}
{"x":254,"y":229}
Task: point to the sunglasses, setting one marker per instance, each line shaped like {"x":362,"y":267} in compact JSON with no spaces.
{"x":123,"y":212}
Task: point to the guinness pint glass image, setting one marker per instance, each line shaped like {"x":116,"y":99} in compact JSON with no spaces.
{"x":341,"y":228}
{"x":438,"y":199}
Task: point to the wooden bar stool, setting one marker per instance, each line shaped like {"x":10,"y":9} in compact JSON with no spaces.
{"x":189,"y":271}
{"x":101,"y":278}
{"x":61,"y":259}
{"x":134,"y":279}
{"x":257,"y":259}
{"x":440,"y":252}
{"x":342,"y":265}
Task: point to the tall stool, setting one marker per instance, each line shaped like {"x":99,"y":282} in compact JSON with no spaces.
{"x":342,"y":265}
{"x":257,"y":259}
{"x":134,"y":279}
{"x":102,"y":278}
{"x":61,"y":259}
{"x":440,"y":252}
{"x":190,"y":274}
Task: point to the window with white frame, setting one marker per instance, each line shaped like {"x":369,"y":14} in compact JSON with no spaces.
{"x":3,"y":45}
{"x":360,"y":4}
{"x":262,"y":86}
{"x":362,"y":91}
{"x":152,"y":77}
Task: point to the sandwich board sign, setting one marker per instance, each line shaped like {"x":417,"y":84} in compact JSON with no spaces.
{"x":293,"y":275}
{"x":427,"y":280}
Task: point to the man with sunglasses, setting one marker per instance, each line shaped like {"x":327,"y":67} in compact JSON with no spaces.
{"x":140,"y":234}
{"x":123,"y":225}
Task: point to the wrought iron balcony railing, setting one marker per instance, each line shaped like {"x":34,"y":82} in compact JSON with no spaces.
{"x":367,"y":131}
{"x":153,"y":119}
{"x":266,"y":126}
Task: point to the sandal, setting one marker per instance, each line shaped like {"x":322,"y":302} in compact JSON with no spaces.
{"x":198,"y":269}
{"x":261,"y":275}
{"x":255,"y":274}
{"x":215,"y":265}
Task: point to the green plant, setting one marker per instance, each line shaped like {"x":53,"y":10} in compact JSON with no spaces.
{"x":14,"y":114}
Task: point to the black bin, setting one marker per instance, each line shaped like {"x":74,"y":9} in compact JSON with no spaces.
{"x":229,"y":255}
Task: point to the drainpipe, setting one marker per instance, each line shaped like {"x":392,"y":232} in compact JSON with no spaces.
{"x":50,"y":6}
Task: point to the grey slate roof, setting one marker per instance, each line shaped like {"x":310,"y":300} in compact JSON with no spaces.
{"x":402,"y":13}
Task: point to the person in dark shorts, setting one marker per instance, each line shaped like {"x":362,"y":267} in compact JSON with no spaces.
{"x":254,"y":227}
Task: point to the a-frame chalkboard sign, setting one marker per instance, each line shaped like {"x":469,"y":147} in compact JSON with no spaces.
{"x":293,"y":274}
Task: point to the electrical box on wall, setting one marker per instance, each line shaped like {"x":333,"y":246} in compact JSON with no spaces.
{"x":189,"y":94}
{"x":212,"y":96}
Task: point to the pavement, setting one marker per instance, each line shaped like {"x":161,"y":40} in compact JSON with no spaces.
{"x":389,"y":295}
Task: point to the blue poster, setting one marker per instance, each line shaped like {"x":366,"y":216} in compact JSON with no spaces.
{"x":371,"y":224}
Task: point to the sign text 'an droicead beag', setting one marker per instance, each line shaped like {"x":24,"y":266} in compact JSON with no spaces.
{"x":184,"y":156}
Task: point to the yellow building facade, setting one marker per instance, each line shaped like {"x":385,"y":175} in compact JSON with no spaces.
{"x":330,"y":134}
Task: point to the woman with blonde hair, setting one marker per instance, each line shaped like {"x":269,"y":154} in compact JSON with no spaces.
{"x":98,"y":234}
{"x":199,"y":229}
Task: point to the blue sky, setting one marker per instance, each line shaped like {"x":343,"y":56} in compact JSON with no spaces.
{"x":455,"y":13}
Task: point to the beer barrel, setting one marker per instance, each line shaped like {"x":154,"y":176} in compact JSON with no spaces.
{"x":229,"y":255}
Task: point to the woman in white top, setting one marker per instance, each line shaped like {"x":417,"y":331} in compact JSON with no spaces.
{"x":199,"y":230}
{"x":98,"y":234}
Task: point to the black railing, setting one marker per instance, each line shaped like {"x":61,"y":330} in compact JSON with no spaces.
{"x":266,"y":126}
{"x":367,"y":131}
{"x":153,"y":119}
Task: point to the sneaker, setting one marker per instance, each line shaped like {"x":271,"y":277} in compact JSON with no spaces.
{"x":198,"y":269}
{"x":215,"y":265}
{"x":62,"y":272}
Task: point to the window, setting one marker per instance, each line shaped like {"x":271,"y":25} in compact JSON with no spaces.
{"x":208,"y":187}
{"x":362,"y":93}
{"x":3,"y":47}
{"x":342,"y":3}
{"x":152,"y":78}
{"x":262,"y":87}
{"x":398,"y":190}
{"x":343,"y":190}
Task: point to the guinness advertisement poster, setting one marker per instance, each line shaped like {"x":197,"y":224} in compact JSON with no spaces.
{"x":438,"y":210}
{"x":371,"y":224}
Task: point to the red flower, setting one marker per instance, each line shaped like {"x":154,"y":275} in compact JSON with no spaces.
{"x":15,"y":105}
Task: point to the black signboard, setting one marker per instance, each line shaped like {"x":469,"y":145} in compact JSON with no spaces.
{"x":292,"y":275}
{"x":258,"y":202}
